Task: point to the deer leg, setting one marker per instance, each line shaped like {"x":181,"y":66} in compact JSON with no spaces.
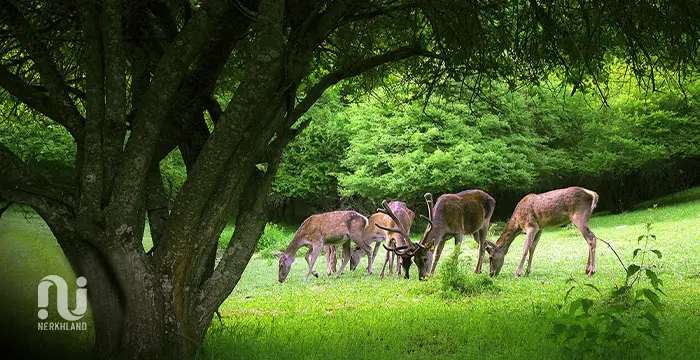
{"x":391,"y":256}
{"x":331,"y":260}
{"x":376,"y":249}
{"x":316,"y":250}
{"x":334,"y":258}
{"x":386,"y":260}
{"x":307,"y":256}
{"x":482,"y":233}
{"x":346,"y":258}
{"x":582,"y":225}
{"x":438,"y":252}
{"x":530,"y":233}
{"x":368,"y":250}
{"x":532,"y":251}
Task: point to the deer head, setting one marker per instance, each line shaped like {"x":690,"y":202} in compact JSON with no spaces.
{"x":431,"y":232}
{"x":285,"y":264}
{"x":496,"y":257}
{"x":355,"y":257}
{"x":412,"y":251}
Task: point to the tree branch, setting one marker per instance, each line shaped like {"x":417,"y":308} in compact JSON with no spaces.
{"x":31,"y":97}
{"x":5,"y":207}
{"x":352,"y":70}
{"x":22,"y":185}
{"x":138,"y":154}
{"x":90,"y":168}
{"x":50,"y":76}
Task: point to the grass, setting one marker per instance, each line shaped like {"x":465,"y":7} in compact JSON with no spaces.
{"x":359,"y":316}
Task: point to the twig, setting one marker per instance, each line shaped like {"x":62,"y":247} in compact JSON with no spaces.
{"x":614,"y":252}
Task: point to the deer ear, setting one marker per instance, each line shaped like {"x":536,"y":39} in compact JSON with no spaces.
{"x":490,"y":247}
{"x":279,"y":254}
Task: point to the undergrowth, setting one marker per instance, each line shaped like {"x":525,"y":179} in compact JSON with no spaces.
{"x":457,"y":279}
{"x":610,"y":324}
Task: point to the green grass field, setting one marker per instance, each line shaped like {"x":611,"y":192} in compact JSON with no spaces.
{"x":360,"y":317}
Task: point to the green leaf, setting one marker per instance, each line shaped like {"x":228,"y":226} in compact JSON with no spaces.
{"x":636,"y":251}
{"x":586,"y":304}
{"x":657,"y":252}
{"x":632,"y":269}
{"x":594,"y":288}
{"x":652,"y":297}
{"x":575,"y":305}
{"x":653,"y":321}
{"x":655,"y":281}
{"x":568,"y":293}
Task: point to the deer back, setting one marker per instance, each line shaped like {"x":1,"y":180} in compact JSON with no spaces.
{"x":554,"y":208}
{"x":334,"y":225}
{"x":464,"y":212}
{"x":402,"y":212}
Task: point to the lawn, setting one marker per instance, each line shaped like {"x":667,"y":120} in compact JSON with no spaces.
{"x":359,"y":316}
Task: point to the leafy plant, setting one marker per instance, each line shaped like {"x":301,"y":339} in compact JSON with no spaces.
{"x":612,"y":324}
{"x":456,"y":279}
{"x":273,"y":239}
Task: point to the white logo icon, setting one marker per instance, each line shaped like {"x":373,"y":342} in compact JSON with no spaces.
{"x":62,"y":298}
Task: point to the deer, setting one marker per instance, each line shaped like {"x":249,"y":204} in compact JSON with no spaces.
{"x":455,"y":215}
{"x":536,"y":212}
{"x":318,"y":230}
{"x":406,"y":250}
{"x":373,"y":234}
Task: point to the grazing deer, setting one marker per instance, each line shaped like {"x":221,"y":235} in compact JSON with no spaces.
{"x":373,"y":234}
{"x":407,"y":250}
{"x":332,"y":228}
{"x":455,"y":215}
{"x":536,"y":212}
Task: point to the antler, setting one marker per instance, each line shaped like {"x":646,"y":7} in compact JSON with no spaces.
{"x":429,"y":201}
{"x":386,"y":210}
{"x":396,"y":249}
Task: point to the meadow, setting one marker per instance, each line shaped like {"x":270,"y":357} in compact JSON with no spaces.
{"x":359,"y":317}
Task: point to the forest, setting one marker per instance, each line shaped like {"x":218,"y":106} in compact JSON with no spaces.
{"x":166,"y":164}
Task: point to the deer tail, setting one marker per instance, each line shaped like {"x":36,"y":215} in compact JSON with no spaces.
{"x":366,"y":220}
{"x":595,"y":197}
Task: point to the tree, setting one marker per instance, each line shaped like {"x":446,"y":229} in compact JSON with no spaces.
{"x":130,"y":81}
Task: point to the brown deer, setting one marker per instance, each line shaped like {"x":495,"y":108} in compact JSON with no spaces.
{"x":536,"y":212}
{"x":407,"y":250}
{"x":455,"y":215}
{"x":332,"y":228}
{"x":373,"y":234}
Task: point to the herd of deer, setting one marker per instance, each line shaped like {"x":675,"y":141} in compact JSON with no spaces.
{"x":452,"y":216}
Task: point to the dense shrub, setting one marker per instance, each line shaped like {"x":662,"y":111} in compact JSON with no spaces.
{"x":457,"y":279}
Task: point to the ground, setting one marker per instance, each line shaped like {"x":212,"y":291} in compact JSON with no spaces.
{"x":359,"y":316}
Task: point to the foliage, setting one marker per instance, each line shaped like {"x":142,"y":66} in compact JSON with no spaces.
{"x":455,"y":279}
{"x":310,"y":162}
{"x":534,"y":139}
{"x":626,"y":318}
{"x":273,"y":239}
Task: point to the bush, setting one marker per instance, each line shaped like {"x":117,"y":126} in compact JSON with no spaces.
{"x":275,"y":238}
{"x":614,"y":324}
{"x":456,"y":280}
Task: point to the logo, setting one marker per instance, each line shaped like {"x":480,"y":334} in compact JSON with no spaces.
{"x":72,"y":316}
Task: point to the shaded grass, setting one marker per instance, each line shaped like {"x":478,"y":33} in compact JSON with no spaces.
{"x":29,"y":253}
{"x":688,"y":195}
